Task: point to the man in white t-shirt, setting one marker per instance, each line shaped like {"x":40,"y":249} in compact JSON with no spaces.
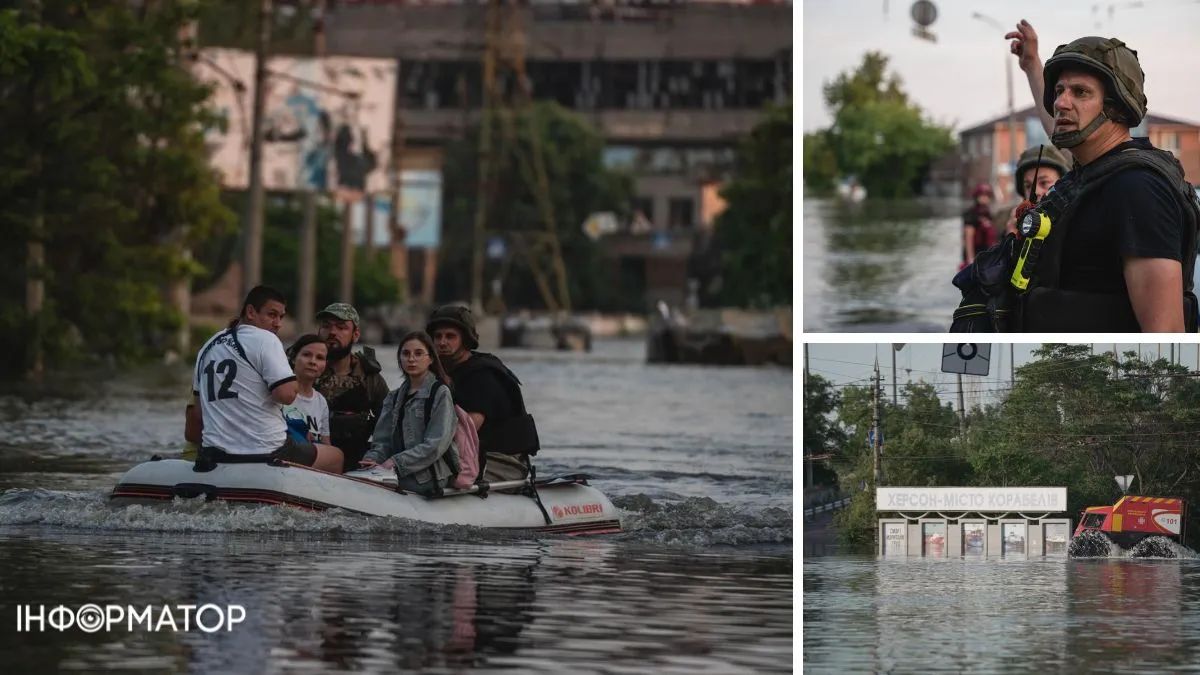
{"x":242,"y":379}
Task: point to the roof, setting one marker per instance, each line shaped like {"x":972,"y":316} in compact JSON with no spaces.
{"x":1022,"y":115}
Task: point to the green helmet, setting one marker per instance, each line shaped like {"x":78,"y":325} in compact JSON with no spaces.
{"x":1109,"y":58}
{"x":458,"y":317}
{"x":1050,"y":157}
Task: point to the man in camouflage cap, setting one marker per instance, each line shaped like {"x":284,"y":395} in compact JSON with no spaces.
{"x":1121,"y":247}
{"x":352,"y":383}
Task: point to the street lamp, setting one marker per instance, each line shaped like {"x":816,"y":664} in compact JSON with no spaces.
{"x":1012,"y":121}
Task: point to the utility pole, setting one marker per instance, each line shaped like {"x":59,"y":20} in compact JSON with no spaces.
{"x":1116,"y":362}
{"x":35,"y":251}
{"x":346,"y":288}
{"x":1012,"y":125}
{"x":962,"y":412}
{"x":487,"y":160}
{"x":306,"y":286}
{"x":252,"y":232}
{"x":808,"y":463}
{"x":1012,"y":365}
{"x":876,"y":448}
{"x":895,"y":398}
{"x":505,"y":47}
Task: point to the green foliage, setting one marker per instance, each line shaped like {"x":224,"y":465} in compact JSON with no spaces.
{"x":877,"y":134}
{"x":820,"y":164}
{"x":1072,"y":419}
{"x":579,"y":185}
{"x":755,"y":231}
{"x":104,"y":162}
{"x":373,"y":281}
{"x":822,"y":434}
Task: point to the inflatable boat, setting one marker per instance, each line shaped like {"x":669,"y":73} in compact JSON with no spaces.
{"x":560,"y":504}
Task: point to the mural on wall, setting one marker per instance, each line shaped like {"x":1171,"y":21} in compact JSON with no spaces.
{"x":327,"y":123}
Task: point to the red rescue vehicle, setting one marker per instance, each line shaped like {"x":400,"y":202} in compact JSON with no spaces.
{"x":1134,"y":518}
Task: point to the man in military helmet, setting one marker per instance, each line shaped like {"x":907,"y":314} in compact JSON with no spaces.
{"x":352,"y":383}
{"x":1121,"y":247}
{"x":488,"y":391}
{"x":1038,"y":168}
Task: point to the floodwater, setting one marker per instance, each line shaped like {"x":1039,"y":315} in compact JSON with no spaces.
{"x":881,"y":266}
{"x":1050,"y":615}
{"x":698,"y":459}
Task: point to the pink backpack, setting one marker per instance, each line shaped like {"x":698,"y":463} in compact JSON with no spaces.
{"x":466,"y":439}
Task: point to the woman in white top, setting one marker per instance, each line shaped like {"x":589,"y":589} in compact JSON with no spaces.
{"x":308,"y":416}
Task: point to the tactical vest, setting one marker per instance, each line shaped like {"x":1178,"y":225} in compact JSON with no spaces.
{"x":516,"y":435}
{"x":1047,"y":307}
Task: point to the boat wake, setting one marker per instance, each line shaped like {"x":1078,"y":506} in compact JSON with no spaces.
{"x":692,"y":521}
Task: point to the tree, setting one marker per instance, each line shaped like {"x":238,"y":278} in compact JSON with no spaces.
{"x":1072,"y":418}
{"x":374,"y":283}
{"x":754,"y":232}
{"x":877,"y":134}
{"x":105,"y":163}
{"x":822,"y":434}
{"x":579,"y":183}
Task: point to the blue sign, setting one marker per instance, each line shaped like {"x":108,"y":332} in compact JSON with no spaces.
{"x":421,"y":208}
{"x":496,"y":248}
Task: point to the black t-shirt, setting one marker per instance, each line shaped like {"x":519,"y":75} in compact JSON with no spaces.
{"x":482,"y":391}
{"x":1133,"y":214}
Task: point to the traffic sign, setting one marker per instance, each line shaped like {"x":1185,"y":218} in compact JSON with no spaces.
{"x":967,"y":358}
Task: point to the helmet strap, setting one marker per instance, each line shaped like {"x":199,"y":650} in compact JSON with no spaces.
{"x":1072,"y":139}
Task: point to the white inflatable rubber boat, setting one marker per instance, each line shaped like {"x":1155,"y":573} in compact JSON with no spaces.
{"x":560,"y":504}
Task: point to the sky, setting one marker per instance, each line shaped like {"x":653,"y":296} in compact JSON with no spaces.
{"x":845,"y":364}
{"x":959,"y":81}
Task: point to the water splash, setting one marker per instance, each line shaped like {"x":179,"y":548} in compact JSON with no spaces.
{"x":1094,"y":544}
{"x":694,"y":521}
{"x":1161,"y":547}
{"x":702,"y":521}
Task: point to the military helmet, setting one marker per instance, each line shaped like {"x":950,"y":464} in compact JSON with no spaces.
{"x":458,"y":317}
{"x":1050,"y":157}
{"x":1112,"y":60}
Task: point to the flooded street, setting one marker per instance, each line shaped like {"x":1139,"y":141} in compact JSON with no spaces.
{"x":880,"y":266}
{"x":698,"y":460}
{"x":1118,"y":615}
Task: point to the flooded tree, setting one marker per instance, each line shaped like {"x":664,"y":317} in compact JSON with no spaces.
{"x":1072,"y":418}
{"x":754,"y":233}
{"x":877,"y":135}
{"x":104,"y":170}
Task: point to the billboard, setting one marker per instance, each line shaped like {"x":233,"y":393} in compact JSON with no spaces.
{"x":327,"y":123}
{"x":420,"y":211}
{"x":980,"y":499}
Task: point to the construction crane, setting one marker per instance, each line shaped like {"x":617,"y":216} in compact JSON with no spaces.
{"x":503,"y":108}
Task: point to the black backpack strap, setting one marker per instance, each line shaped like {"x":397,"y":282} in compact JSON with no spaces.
{"x":237,"y":346}
{"x":433,"y":390}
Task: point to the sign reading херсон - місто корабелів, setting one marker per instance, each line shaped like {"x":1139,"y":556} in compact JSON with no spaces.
{"x":1047,"y":499}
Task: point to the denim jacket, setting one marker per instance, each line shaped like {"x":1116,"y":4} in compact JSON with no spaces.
{"x":417,"y":447}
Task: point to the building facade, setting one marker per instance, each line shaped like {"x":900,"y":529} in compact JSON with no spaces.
{"x":672,"y":87}
{"x":986,"y":154}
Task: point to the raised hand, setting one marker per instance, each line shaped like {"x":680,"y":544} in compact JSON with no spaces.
{"x":1025,"y":46}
